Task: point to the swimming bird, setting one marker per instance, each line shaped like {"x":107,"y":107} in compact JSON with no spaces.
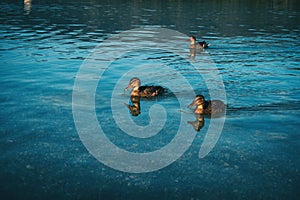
{"x":143,"y":91}
{"x":197,"y":45}
{"x":204,"y":107}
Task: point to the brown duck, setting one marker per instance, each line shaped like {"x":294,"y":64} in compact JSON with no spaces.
{"x":197,"y":45}
{"x":143,"y":91}
{"x":204,"y":107}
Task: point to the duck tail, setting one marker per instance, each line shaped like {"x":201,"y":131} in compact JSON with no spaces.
{"x":205,"y":45}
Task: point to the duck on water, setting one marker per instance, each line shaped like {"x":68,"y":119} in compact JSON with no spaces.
{"x":197,"y":45}
{"x":204,"y":107}
{"x":144,"y":91}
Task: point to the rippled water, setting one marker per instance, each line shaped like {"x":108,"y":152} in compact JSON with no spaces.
{"x":254,"y":46}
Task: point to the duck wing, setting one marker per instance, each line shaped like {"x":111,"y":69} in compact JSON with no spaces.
{"x":207,"y":107}
{"x":217,"y":106}
{"x":151,"y":91}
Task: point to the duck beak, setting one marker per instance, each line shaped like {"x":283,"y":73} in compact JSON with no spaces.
{"x":127,"y":105}
{"x":192,"y":104}
{"x":128,"y":87}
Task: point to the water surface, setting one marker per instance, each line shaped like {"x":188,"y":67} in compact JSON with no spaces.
{"x":254,"y":45}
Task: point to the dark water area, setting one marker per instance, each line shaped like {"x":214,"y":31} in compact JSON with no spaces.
{"x":253,"y":44}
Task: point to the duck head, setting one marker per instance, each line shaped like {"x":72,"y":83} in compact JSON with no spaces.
{"x":192,"y":39}
{"x":134,"y":83}
{"x":199,"y":103}
{"x":198,"y":100}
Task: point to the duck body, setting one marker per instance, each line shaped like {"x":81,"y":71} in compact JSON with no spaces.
{"x":204,"y":107}
{"x":151,"y":91}
{"x":197,"y":45}
{"x":144,"y":91}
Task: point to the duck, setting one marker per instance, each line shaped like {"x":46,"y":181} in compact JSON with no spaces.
{"x":204,"y":107}
{"x":143,"y":91}
{"x":197,"y":45}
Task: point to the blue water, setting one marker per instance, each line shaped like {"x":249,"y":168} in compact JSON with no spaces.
{"x":254,"y":46}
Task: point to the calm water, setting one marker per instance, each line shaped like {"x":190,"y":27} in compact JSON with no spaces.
{"x":254,"y":45}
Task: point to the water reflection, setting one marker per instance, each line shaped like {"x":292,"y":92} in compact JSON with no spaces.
{"x":194,"y":52}
{"x":27,"y":6}
{"x":198,"y":123}
{"x":134,"y":105}
{"x":256,"y":58}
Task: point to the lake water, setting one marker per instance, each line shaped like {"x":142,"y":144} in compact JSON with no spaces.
{"x":254,"y":45}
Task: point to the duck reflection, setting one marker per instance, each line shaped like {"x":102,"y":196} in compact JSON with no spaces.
{"x":198,"y":123}
{"x":134,"y":105}
{"x":27,"y":6}
{"x":194,"y":52}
